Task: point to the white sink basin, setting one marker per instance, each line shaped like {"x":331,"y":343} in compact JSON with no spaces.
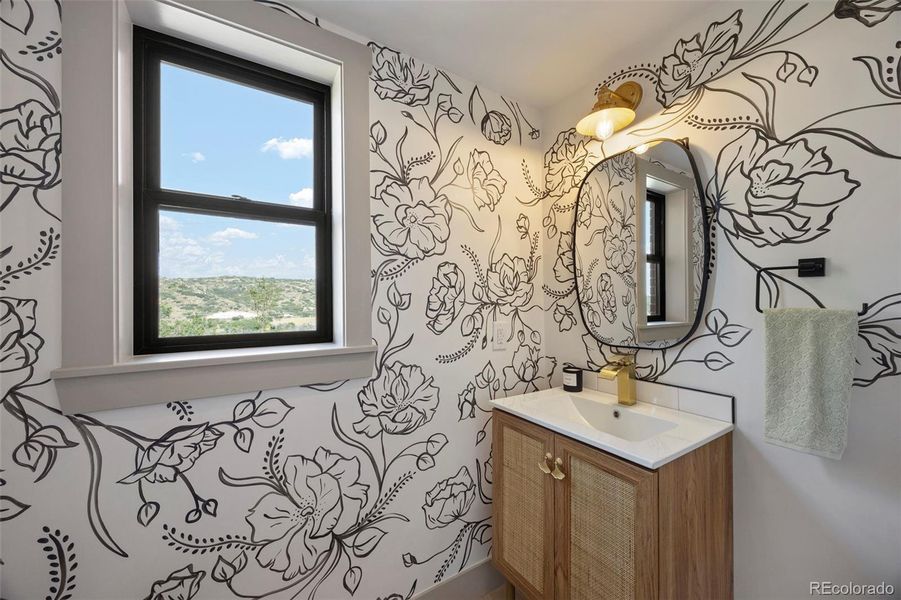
{"x":646,"y":434}
{"x":619,"y":421}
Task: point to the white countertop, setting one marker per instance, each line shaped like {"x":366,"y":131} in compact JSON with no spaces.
{"x":565,"y":413}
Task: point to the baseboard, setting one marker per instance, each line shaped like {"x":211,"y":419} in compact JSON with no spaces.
{"x":471,"y":583}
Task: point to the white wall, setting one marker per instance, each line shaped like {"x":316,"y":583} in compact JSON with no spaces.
{"x":797,"y":517}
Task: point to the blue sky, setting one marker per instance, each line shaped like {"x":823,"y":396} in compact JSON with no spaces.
{"x":222,"y":138}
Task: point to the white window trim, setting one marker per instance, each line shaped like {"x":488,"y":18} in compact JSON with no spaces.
{"x":98,"y":369}
{"x":679,"y":208}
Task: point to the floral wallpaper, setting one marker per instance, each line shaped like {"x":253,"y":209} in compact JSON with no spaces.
{"x":797,"y":145}
{"x":380,"y":488}
{"x":369,"y":489}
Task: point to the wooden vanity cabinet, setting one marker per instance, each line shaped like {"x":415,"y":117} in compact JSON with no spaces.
{"x":601,"y":528}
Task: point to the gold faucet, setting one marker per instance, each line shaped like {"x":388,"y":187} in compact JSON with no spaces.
{"x":622,"y":368}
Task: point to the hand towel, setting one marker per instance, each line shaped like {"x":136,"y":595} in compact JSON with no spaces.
{"x":810,"y":358}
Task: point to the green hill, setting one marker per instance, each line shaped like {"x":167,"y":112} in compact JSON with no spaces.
{"x":223,"y":305}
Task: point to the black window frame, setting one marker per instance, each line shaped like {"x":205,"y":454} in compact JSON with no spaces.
{"x":150,"y":49}
{"x":657,"y":255}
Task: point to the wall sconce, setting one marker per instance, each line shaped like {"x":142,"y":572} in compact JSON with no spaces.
{"x":613,"y":110}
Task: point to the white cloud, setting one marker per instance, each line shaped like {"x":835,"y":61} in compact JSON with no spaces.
{"x":225,"y":236}
{"x":289,"y":148}
{"x":167,"y":223}
{"x":195,"y":157}
{"x":302,"y":198}
{"x":184,"y":256}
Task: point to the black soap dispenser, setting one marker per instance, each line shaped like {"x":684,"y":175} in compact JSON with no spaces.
{"x":572,"y":379}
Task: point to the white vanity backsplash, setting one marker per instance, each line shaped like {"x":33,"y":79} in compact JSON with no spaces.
{"x":705,"y":404}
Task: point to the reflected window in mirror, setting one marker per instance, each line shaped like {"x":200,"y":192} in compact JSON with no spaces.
{"x":640,"y":245}
{"x":655,"y":260}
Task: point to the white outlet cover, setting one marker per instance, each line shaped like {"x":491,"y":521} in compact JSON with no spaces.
{"x":501,"y":335}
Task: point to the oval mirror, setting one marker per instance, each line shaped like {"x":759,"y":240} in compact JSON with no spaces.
{"x":641,"y":247}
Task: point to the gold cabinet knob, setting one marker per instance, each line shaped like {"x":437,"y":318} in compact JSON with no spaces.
{"x":544,"y":466}
{"x":557,"y":473}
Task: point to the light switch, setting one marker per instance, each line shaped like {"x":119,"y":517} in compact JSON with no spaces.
{"x":501,"y":335}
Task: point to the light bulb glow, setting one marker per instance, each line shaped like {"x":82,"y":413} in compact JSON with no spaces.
{"x":604,"y":129}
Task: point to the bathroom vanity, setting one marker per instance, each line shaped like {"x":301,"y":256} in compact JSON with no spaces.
{"x":598,"y":501}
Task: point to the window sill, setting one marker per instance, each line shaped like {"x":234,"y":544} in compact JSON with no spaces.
{"x":663,"y":324}
{"x":163,"y":378}
{"x":662,"y":330}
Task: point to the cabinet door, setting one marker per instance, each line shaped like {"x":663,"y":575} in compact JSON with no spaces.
{"x":523,"y":505}
{"x":606,"y":526}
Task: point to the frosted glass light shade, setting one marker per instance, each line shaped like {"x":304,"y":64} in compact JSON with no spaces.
{"x":613,"y":110}
{"x":603,"y":123}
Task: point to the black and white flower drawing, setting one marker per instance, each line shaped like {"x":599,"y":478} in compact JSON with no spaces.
{"x":487,"y":183}
{"x":321,"y":497}
{"x":400,"y":400}
{"x":449,"y":500}
{"x":415,"y":220}
{"x":772,"y":193}
{"x":401,"y":78}
{"x":696,"y":60}
{"x":446,"y":297}
{"x":182,"y":584}
{"x":20,"y":344}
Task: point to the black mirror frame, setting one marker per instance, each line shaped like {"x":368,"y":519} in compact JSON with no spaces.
{"x":706,"y":218}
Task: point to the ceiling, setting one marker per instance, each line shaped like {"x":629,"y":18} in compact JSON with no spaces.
{"x":536,"y":51}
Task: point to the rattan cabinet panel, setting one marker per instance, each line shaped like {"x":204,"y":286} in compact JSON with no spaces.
{"x":524,"y":506}
{"x":606,"y":542}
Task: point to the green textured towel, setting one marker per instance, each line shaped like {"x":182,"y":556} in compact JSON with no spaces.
{"x":809,"y":371}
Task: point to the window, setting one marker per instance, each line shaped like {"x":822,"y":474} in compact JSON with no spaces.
{"x":655,"y":276}
{"x":103,"y":286}
{"x":232,"y":207}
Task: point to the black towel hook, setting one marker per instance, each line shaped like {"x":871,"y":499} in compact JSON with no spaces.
{"x":806,"y":267}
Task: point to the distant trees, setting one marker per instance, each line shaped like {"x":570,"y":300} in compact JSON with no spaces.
{"x":201,"y":306}
{"x":265,"y":296}
{"x":194,"y":325}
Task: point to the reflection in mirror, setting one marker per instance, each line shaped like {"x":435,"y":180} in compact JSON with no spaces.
{"x":639,"y":247}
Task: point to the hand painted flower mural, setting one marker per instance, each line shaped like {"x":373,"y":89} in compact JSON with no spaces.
{"x":19,"y":343}
{"x":182,"y":584}
{"x":868,"y":12}
{"x":30,"y":145}
{"x":449,"y":500}
{"x":694,"y":61}
{"x":322,"y":496}
{"x":487,"y":182}
{"x":530,"y":370}
{"x":496,"y":127}
{"x":607,"y":297}
{"x":771,"y":193}
{"x":174,"y":453}
{"x":565,"y":163}
{"x":446,"y":298}
{"x":415,"y":222}
{"x":770,"y":187}
{"x":510,"y":283}
{"x":619,"y":247}
{"x":401,"y":78}
{"x":400,"y":400}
